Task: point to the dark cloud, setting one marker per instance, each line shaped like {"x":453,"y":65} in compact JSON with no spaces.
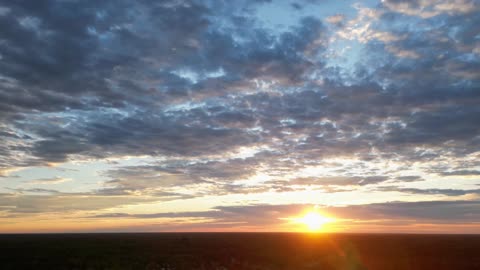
{"x":38,"y":200}
{"x":145,"y":70}
{"x":408,"y":178}
{"x":439,"y":211}
{"x":432,"y":191}
{"x":112,"y":59}
{"x":35,"y":191}
{"x":41,"y":203}
{"x":411,"y":212}
{"x":340,"y":180}
{"x":452,"y":123}
{"x":461,"y":173}
{"x":161,"y":215}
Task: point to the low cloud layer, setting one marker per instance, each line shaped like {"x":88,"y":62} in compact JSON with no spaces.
{"x":380,"y":214}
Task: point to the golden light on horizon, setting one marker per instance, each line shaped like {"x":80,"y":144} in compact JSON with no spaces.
{"x":313,"y":220}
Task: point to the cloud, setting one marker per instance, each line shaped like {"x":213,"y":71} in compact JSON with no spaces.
{"x":62,"y":203}
{"x":214,"y":121}
{"x":340,"y":180}
{"x":42,"y":201}
{"x":408,"y":178}
{"x":36,"y":191}
{"x":432,"y":191}
{"x":461,"y":173}
{"x":100,"y":76}
{"x":403,"y":53}
{"x":260,"y":215}
{"x":427,"y":9}
{"x":336,"y":20}
{"x":49,"y":181}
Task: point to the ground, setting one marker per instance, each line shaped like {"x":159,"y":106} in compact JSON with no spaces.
{"x":239,"y":251}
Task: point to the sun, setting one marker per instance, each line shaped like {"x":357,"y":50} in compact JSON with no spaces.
{"x":313,"y":220}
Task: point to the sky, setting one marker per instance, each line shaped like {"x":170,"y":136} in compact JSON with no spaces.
{"x":185,"y":115}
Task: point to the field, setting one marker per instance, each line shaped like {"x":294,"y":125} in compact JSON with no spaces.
{"x":239,"y":251}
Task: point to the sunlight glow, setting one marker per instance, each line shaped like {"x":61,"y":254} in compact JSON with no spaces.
{"x":313,"y":220}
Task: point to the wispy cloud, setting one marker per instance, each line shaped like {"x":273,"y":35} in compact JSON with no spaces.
{"x":49,"y":181}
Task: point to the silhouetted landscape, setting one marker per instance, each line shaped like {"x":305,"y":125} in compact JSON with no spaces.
{"x":123,"y":118}
{"x":239,"y":251}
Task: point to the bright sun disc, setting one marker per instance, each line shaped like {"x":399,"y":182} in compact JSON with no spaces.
{"x":314,"y":221}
